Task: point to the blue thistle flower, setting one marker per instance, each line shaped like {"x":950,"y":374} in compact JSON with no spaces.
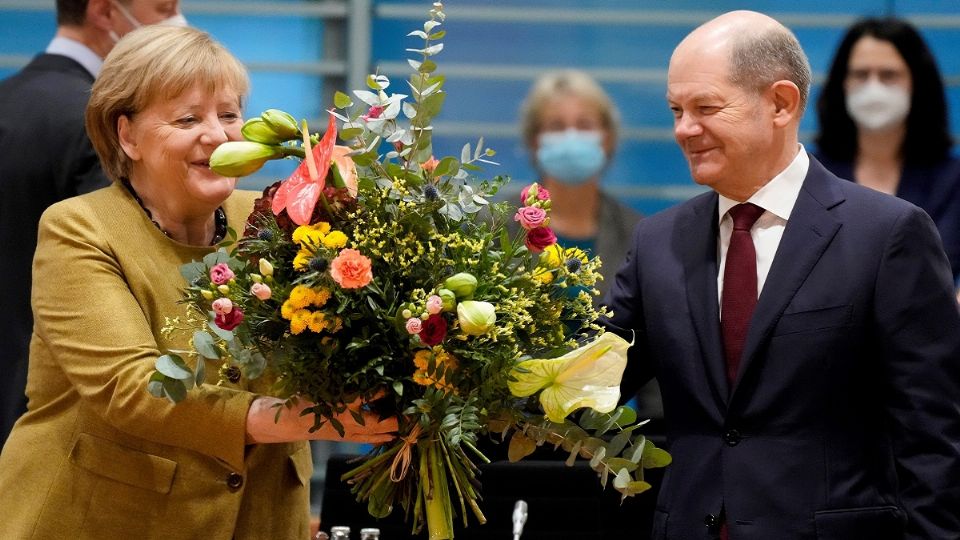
{"x":431,"y":192}
{"x":573,"y":265}
{"x":318,"y":264}
{"x":265,"y":234}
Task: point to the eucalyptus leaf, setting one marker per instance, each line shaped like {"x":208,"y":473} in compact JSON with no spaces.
{"x":437,"y":35}
{"x":428,"y":66}
{"x":409,"y":110}
{"x":256,"y":365}
{"x":350,"y":133}
{"x":465,"y":154}
{"x":341,"y":100}
{"x":598,"y":456}
{"x":447,"y":165}
{"x":654,"y":457}
{"x":452,"y":211}
{"x":156,"y":389}
{"x":433,"y":49}
{"x":367,"y":97}
{"x":176,"y":391}
{"x":414,"y":64}
{"x":574,"y":452}
{"x":398,"y":388}
{"x":204,"y":344}
{"x":192,"y":271}
{"x":201,"y":375}
{"x":635,"y":452}
{"x":174,"y":367}
{"x":226,"y":335}
{"x":418,"y":33}
{"x":216,"y":257}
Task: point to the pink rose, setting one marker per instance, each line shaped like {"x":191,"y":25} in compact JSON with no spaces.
{"x":540,"y":238}
{"x":434,"y":304}
{"x":221,"y":273}
{"x":542,"y":194}
{"x":414,"y":325}
{"x":531,"y":217}
{"x":229,"y":321}
{"x":261,"y":291}
{"x":351,"y":270}
{"x":433,"y":331}
{"x":222,"y":306}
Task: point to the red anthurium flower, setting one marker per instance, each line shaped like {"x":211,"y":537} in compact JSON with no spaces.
{"x":299,"y":193}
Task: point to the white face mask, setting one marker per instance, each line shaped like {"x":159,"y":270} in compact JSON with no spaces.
{"x":175,"y":20}
{"x":875,"y":105}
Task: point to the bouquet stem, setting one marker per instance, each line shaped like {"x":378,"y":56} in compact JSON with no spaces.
{"x":436,"y":493}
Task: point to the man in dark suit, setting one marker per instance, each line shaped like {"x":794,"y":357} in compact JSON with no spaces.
{"x":807,"y":344}
{"x":47,"y":157}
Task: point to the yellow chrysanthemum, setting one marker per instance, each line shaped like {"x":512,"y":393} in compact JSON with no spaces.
{"x":300,"y":297}
{"x":311,"y":234}
{"x":302,"y":261}
{"x":288,"y":309}
{"x":320,"y":297}
{"x":422,"y":358}
{"x":298,"y":325}
{"x":335,"y":240}
{"x":317,"y":322}
{"x":445,"y":358}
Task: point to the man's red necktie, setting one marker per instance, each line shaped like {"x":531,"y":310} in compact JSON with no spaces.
{"x":739,"y":286}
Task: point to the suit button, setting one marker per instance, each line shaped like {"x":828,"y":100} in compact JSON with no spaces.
{"x":732,"y":437}
{"x":233,"y":374}
{"x":234,"y":481}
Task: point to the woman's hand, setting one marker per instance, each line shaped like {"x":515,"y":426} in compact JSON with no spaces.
{"x":263,"y":425}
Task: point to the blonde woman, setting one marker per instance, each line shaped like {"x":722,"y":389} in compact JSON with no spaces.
{"x":95,"y":455}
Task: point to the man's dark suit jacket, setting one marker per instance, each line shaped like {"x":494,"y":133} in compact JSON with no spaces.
{"x":46,"y":157}
{"x":844,"y":420}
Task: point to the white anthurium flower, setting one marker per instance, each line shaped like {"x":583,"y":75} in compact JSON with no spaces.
{"x":588,"y":376}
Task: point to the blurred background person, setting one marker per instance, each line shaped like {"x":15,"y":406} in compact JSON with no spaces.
{"x":884,"y":123}
{"x":47,"y":156}
{"x":95,"y":455}
{"x":570,"y":126}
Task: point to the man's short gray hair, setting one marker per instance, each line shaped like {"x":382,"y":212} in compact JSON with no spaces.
{"x":761,"y":59}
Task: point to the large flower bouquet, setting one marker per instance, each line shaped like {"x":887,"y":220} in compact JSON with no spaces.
{"x":391,"y":278}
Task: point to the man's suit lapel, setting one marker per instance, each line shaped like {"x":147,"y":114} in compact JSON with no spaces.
{"x":699,"y":240}
{"x":809,"y":231}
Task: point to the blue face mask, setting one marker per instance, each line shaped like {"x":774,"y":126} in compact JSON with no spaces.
{"x":571,"y":156}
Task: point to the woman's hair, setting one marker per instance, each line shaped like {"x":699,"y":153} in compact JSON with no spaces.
{"x":149,"y":64}
{"x":927,"y":137}
{"x":569,"y":82}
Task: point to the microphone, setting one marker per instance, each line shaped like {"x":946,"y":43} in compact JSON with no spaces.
{"x":519,"y":518}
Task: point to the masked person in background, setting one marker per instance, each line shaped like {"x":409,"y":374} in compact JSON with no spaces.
{"x":41,"y":108}
{"x":570,"y":128}
{"x":884,"y":123}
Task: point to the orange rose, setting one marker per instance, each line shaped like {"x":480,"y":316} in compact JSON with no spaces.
{"x":351,"y":270}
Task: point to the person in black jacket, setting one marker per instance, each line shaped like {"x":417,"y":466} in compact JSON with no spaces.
{"x":47,"y":156}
